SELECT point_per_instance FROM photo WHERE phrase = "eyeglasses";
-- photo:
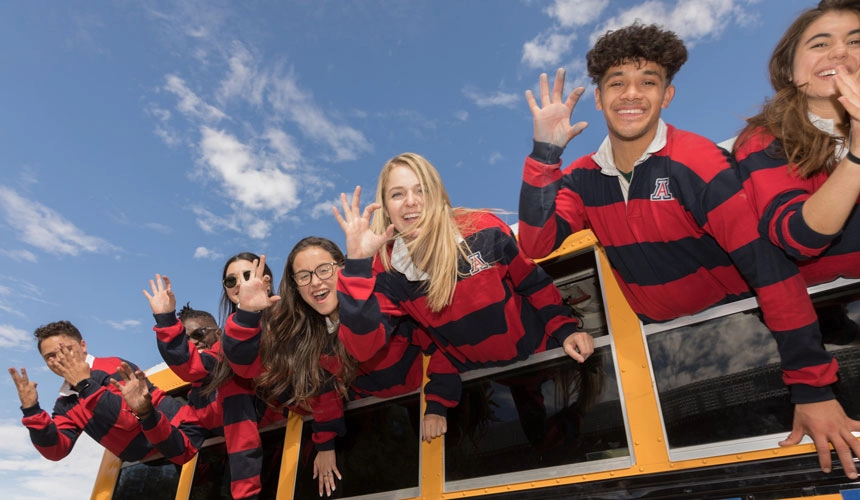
(200, 333)
(323, 272)
(231, 281)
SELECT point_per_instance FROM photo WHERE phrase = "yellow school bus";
(689, 409)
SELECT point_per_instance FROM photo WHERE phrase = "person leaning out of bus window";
(302, 363)
(670, 210)
(88, 402)
(458, 273)
(222, 394)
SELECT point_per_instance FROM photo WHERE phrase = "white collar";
(331, 326)
(603, 157)
(66, 389)
(402, 262)
(828, 125)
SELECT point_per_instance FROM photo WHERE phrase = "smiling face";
(403, 200)
(320, 294)
(202, 332)
(831, 40)
(631, 97)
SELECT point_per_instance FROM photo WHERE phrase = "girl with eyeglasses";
(294, 353)
(458, 273)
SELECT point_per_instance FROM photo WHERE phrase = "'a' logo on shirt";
(661, 190)
(477, 263)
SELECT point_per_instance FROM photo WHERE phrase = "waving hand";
(552, 116)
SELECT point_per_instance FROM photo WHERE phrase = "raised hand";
(325, 469)
(162, 299)
(26, 388)
(552, 117)
(361, 241)
(70, 363)
(132, 385)
(254, 291)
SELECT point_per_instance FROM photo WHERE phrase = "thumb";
(792, 438)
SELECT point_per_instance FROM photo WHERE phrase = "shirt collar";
(331, 326)
(402, 262)
(66, 389)
(828, 126)
(604, 159)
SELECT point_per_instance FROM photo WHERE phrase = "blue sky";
(162, 137)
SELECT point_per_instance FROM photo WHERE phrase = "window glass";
(155, 480)
(578, 281)
(212, 475)
(380, 452)
(532, 420)
(726, 369)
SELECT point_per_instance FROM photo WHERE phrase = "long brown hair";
(436, 249)
(785, 115)
(294, 338)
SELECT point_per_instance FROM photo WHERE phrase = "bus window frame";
(735, 446)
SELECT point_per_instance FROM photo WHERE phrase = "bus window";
(379, 454)
(549, 416)
(212, 473)
(154, 479)
(577, 279)
(723, 366)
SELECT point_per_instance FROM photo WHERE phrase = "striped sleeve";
(178, 352)
(241, 343)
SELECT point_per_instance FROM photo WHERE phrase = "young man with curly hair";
(88, 402)
(669, 209)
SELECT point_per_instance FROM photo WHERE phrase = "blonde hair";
(437, 249)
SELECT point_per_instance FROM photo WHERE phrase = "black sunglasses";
(200, 333)
(230, 281)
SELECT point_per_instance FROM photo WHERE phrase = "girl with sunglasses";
(294, 353)
(217, 394)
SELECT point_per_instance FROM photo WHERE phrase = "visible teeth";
(630, 111)
(410, 216)
(829, 72)
(321, 293)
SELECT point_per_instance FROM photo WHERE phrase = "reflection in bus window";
(379, 453)
(550, 414)
(153, 480)
(212, 474)
(727, 370)
(578, 282)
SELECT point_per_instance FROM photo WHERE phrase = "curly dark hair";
(187, 312)
(54, 329)
(637, 44)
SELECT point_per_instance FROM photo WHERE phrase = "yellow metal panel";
(290, 458)
(186, 477)
(432, 456)
(106, 477)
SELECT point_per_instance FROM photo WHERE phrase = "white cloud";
(243, 79)
(203, 253)
(461, 115)
(123, 325)
(323, 209)
(46, 229)
(576, 12)
(161, 228)
(245, 177)
(495, 157)
(242, 222)
(691, 20)
(26, 475)
(499, 98)
(14, 337)
(288, 99)
(19, 255)
(547, 49)
(189, 103)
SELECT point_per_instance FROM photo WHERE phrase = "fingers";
(530, 100)
(822, 447)
(356, 195)
(843, 447)
(558, 86)
(168, 286)
(15, 377)
(544, 90)
(793, 438)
